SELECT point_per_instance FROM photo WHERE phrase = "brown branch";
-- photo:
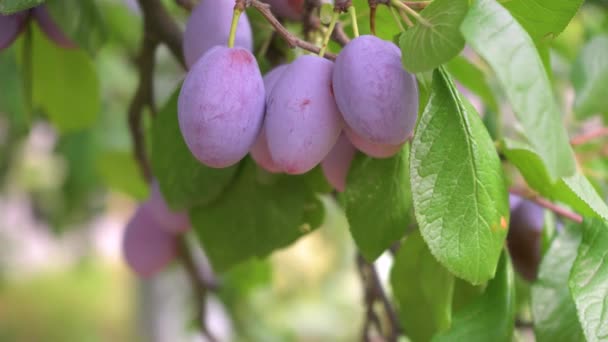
(375, 293)
(589, 136)
(543, 202)
(373, 4)
(291, 40)
(159, 24)
(144, 97)
(339, 36)
(188, 5)
(198, 286)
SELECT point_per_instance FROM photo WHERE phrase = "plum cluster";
(525, 235)
(309, 112)
(12, 25)
(151, 237)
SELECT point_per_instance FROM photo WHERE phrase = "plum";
(377, 97)
(336, 164)
(171, 221)
(288, 9)
(259, 151)
(147, 248)
(50, 28)
(11, 26)
(525, 235)
(221, 106)
(302, 119)
(209, 25)
(372, 149)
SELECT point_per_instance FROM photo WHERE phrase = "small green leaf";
(184, 181)
(423, 289)
(252, 219)
(589, 77)
(509, 50)
(460, 196)
(81, 21)
(119, 171)
(473, 79)
(435, 41)
(553, 309)
(378, 202)
(491, 316)
(12, 6)
(575, 190)
(589, 280)
(543, 19)
(385, 24)
(65, 84)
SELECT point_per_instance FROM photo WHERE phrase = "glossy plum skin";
(169, 220)
(370, 148)
(336, 164)
(377, 97)
(259, 151)
(302, 120)
(50, 28)
(525, 235)
(209, 25)
(288, 9)
(221, 106)
(147, 248)
(11, 26)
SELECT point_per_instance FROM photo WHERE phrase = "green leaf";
(183, 180)
(589, 77)
(81, 21)
(589, 279)
(119, 171)
(12, 6)
(252, 219)
(491, 316)
(460, 196)
(385, 24)
(509, 50)
(435, 41)
(575, 190)
(553, 309)
(543, 19)
(423, 289)
(378, 202)
(65, 84)
(473, 79)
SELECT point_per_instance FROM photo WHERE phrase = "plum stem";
(397, 19)
(410, 11)
(291, 40)
(547, 204)
(235, 22)
(28, 74)
(405, 18)
(332, 24)
(353, 17)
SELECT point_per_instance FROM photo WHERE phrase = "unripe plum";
(302, 120)
(525, 235)
(288, 9)
(50, 28)
(259, 151)
(221, 106)
(372, 149)
(171, 221)
(147, 248)
(377, 97)
(336, 164)
(11, 26)
(209, 25)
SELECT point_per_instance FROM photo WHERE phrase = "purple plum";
(372, 149)
(336, 164)
(171, 221)
(11, 26)
(525, 235)
(288, 9)
(50, 28)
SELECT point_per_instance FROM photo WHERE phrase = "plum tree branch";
(543, 202)
(373, 293)
(159, 24)
(292, 40)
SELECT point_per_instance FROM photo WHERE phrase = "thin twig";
(589, 136)
(374, 292)
(188, 5)
(291, 40)
(543, 202)
(159, 24)
(339, 36)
